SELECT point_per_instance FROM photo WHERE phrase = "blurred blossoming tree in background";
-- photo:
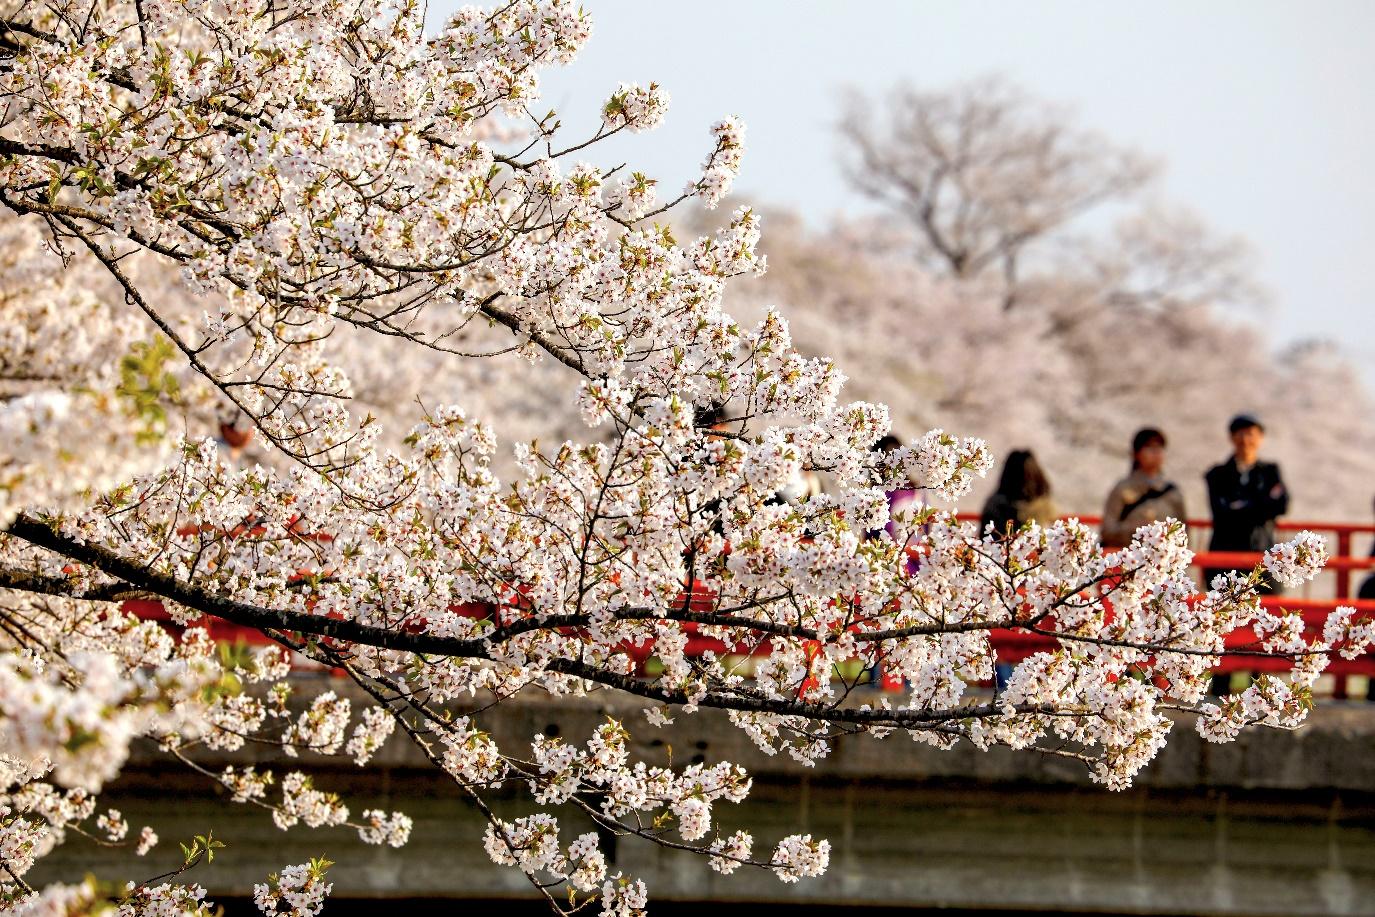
(1030, 288)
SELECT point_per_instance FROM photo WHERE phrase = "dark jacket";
(1367, 590)
(1245, 506)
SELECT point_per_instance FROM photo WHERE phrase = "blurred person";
(899, 497)
(713, 418)
(1144, 495)
(803, 485)
(1023, 496)
(1367, 591)
(1246, 495)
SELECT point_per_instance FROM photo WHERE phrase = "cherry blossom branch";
(262, 618)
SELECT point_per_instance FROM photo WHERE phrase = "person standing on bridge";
(1144, 496)
(1246, 495)
(1023, 496)
(900, 497)
(1367, 591)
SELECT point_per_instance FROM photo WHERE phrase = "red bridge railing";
(1342, 560)
(1011, 646)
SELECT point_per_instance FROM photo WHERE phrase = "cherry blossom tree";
(316, 175)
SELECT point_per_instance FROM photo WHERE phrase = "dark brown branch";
(43, 535)
(23, 581)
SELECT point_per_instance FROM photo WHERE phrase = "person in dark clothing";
(1023, 496)
(1367, 591)
(1246, 495)
(899, 497)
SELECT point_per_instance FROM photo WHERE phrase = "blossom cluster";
(297, 891)
(602, 769)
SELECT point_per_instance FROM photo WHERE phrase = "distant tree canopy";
(1028, 287)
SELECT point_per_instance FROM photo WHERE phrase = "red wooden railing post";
(1343, 573)
(888, 681)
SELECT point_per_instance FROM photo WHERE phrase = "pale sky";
(1263, 111)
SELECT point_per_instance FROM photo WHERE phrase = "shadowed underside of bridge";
(1282, 823)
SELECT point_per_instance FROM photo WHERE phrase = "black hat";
(1244, 422)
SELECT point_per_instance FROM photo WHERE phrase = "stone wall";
(1279, 823)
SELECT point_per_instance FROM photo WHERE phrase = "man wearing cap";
(1246, 494)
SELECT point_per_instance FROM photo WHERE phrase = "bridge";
(1280, 823)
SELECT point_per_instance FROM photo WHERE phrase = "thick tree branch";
(43, 535)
